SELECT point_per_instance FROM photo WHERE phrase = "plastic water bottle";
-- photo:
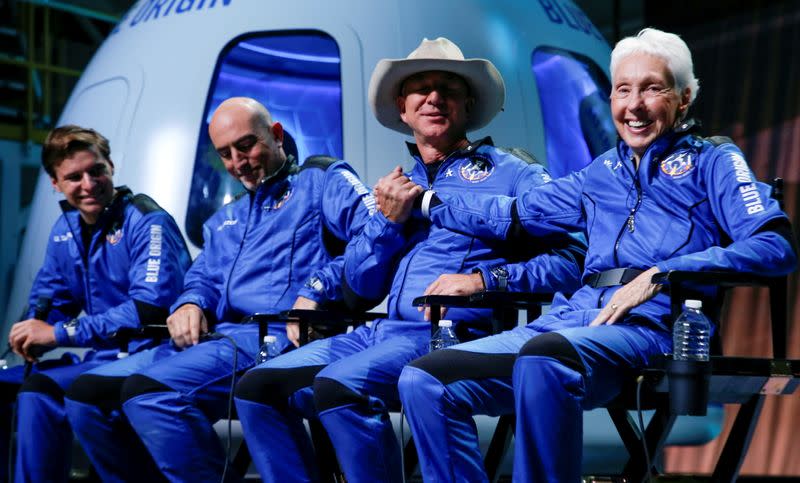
(444, 336)
(690, 334)
(269, 349)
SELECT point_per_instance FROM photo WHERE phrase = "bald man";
(263, 252)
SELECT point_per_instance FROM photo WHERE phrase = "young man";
(112, 255)
(264, 252)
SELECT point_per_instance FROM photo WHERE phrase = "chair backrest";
(714, 301)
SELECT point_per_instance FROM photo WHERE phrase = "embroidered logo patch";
(114, 236)
(227, 223)
(476, 169)
(611, 165)
(283, 199)
(678, 164)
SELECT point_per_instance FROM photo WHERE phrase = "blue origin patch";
(283, 199)
(476, 169)
(153, 266)
(114, 236)
(678, 164)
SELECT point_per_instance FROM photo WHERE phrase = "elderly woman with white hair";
(662, 199)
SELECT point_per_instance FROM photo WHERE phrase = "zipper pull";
(631, 224)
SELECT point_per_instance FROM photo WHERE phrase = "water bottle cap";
(270, 338)
(445, 323)
(693, 304)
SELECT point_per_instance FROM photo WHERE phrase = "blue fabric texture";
(676, 211)
(687, 196)
(261, 251)
(401, 260)
(136, 254)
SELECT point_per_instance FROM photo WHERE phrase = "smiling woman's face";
(644, 101)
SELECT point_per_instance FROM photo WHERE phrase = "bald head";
(249, 143)
(241, 108)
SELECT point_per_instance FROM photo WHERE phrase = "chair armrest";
(148, 331)
(486, 300)
(713, 278)
(326, 322)
(320, 320)
(679, 281)
(154, 331)
(330, 317)
(263, 318)
(499, 302)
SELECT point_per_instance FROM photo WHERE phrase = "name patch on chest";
(678, 165)
(62, 238)
(476, 169)
(227, 223)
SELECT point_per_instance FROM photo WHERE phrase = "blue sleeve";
(370, 257)
(556, 259)
(346, 207)
(558, 269)
(203, 284)
(156, 241)
(742, 206)
(51, 286)
(553, 207)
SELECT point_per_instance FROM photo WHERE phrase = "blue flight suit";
(261, 252)
(131, 271)
(350, 381)
(676, 211)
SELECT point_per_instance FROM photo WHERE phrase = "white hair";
(666, 46)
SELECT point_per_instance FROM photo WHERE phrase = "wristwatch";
(71, 327)
(500, 275)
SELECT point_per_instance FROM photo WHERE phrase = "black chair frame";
(739, 380)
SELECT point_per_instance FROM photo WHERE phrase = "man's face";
(85, 179)
(249, 152)
(644, 103)
(436, 106)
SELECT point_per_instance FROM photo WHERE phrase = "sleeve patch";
(751, 198)
(361, 190)
(154, 254)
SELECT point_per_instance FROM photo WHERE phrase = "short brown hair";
(62, 142)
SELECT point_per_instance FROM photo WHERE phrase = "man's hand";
(293, 328)
(635, 293)
(395, 195)
(453, 284)
(186, 325)
(29, 333)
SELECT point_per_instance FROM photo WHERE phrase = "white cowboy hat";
(485, 82)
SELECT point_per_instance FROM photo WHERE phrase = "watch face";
(500, 272)
(501, 275)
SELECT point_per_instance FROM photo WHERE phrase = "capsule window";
(573, 94)
(297, 76)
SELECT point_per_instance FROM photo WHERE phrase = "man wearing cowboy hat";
(350, 381)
